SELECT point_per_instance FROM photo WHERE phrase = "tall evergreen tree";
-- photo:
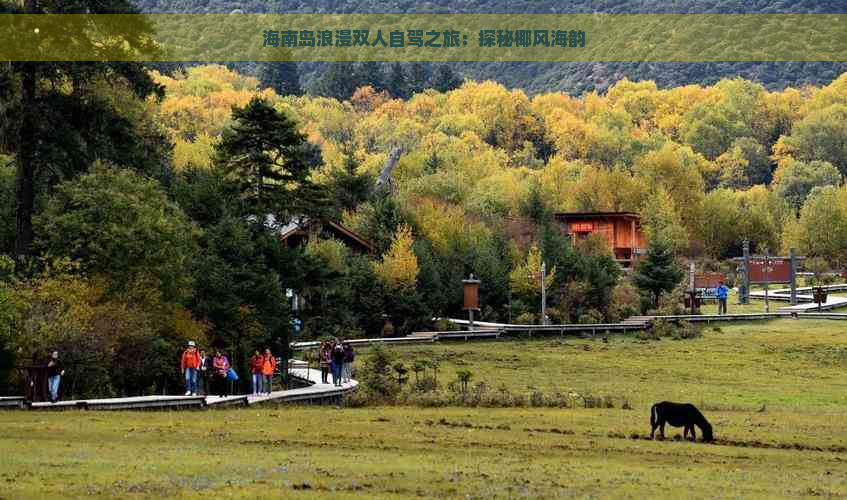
(53, 126)
(349, 187)
(658, 272)
(338, 80)
(397, 84)
(419, 74)
(271, 160)
(370, 73)
(445, 79)
(282, 76)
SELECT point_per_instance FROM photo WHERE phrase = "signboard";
(779, 270)
(582, 227)
(706, 284)
(471, 294)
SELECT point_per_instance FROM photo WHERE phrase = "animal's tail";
(654, 417)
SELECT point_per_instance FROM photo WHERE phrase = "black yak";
(684, 415)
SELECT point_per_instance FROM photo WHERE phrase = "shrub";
(463, 377)
(625, 302)
(377, 378)
(664, 328)
(590, 317)
(443, 325)
(356, 399)
(688, 330)
(426, 383)
(537, 399)
(672, 303)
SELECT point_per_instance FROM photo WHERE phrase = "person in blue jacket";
(721, 294)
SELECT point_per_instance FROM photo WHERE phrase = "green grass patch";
(774, 391)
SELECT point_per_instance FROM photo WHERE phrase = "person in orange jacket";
(268, 369)
(256, 369)
(189, 364)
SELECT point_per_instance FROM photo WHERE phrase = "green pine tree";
(445, 79)
(658, 272)
(281, 76)
(418, 77)
(338, 81)
(397, 84)
(370, 73)
(271, 160)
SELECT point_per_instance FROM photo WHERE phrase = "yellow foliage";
(525, 278)
(446, 226)
(331, 251)
(399, 266)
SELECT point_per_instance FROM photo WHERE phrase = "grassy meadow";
(775, 393)
(795, 365)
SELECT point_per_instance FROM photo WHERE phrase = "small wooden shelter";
(622, 230)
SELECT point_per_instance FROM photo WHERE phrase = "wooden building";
(622, 230)
(296, 233)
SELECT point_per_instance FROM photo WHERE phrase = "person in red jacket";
(256, 369)
(189, 364)
(268, 369)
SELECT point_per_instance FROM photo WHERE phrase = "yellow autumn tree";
(399, 268)
(525, 277)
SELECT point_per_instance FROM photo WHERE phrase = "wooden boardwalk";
(314, 392)
(804, 295)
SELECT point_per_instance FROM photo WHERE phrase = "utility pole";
(745, 283)
(767, 265)
(543, 295)
(692, 291)
(792, 255)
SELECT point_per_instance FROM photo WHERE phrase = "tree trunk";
(25, 175)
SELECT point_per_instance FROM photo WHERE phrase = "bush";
(590, 317)
(672, 303)
(688, 330)
(663, 328)
(426, 383)
(526, 318)
(537, 399)
(625, 302)
(377, 377)
(443, 325)
(670, 329)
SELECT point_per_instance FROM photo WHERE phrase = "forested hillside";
(149, 224)
(140, 209)
(571, 77)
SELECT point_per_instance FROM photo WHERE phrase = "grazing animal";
(684, 415)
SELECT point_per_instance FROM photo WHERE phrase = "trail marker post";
(471, 298)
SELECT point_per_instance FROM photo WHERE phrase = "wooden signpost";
(471, 298)
(766, 269)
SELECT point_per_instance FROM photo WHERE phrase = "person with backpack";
(256, 368)
(337, 363)
(189, 364)
(268, 369)
(55, 371)
(347, 369)
(220, 371)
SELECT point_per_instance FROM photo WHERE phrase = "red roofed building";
(622, 230)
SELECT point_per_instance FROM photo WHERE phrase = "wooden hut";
(622, 231)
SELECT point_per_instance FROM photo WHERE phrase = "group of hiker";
(336, 358)
(215, 374)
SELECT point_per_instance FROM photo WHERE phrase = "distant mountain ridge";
(571, 77)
